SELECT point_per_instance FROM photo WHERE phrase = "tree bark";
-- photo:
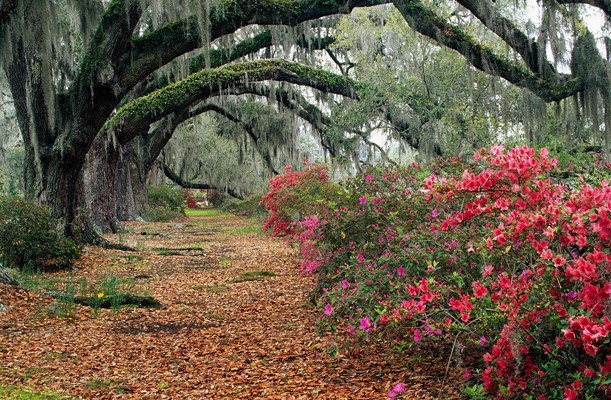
(99, 182)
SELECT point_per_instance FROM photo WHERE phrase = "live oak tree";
(86, 82)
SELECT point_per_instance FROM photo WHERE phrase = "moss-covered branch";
(219, 57)
(154, 142)
(135, 117)
(422, 19)
(168, 42)
(604, 5)
(202, 108)
(174, 177)
(512, 35)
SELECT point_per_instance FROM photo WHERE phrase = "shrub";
(29, 236)
(249, 207)
(496, 255)
(160, 196)
(161, 214)
(295, 195)
(216, 198)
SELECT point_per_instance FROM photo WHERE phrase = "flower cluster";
(496, 254)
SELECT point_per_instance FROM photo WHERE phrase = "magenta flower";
(400, 271)
(435, 213)
(360, 257)
(365, 323)
(483, 341)
(345, 284)
(398, 388)
(328, 309)
(417, 335)
(362, 200)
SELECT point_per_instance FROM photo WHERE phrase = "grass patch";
(212, 288)
(253, 276)
(204, 212)
(107, 385)
(243, 230)
(224, 261)
(16, 393)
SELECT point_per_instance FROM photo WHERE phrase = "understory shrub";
(249, 207)
(497, 257)
(165, 197)
(164, 204)
(30, 236)
(216, 198)
(297, 194)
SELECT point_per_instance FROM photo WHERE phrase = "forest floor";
(235, 323)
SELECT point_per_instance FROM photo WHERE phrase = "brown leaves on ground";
(235, 324)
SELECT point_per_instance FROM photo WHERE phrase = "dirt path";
(235, 324)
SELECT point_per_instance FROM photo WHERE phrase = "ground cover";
(235, 323)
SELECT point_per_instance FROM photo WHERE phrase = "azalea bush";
(499, 255)
(295, 195)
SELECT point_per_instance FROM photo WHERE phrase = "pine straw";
(213, 338)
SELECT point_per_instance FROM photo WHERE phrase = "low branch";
(174, 177)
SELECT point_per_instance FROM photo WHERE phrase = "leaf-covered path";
(235, 324)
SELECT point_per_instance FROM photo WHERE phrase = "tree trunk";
(130, 184)
(98, 186)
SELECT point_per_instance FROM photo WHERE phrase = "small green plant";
(108, 291)
(141, 244)
(11, 392)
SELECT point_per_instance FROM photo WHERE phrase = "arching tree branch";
(157, 48)
(174, 177)
(138, 115)
(424, 20)
(604, 5)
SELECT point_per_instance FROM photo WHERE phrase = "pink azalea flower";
(328, 309)
(362, 200)
(365, 323)
(398, 388)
